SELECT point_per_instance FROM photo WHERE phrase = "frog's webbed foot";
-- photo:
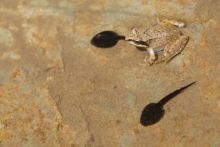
(150, 60)
(174, 22)
(173, 49)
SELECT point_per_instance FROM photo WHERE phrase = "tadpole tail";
(164, 100)
(120, 37)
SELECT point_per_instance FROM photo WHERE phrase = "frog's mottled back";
(163, 35)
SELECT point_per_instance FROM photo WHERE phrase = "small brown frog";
(164, 37)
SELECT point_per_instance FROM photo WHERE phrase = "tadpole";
(106, 39)
(153, 112)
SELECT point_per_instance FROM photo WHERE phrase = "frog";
(164, 37)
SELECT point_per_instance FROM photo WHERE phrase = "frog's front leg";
(150, 60)
(174, 48)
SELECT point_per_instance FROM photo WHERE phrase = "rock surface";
(56, 89)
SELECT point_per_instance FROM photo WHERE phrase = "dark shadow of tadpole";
(153, 112)
(106, 39)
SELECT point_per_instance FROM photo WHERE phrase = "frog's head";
(135, 38)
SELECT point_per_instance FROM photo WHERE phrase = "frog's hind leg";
(174, 22)
(173, 49)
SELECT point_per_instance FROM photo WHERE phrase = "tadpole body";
(106, 39)
(153, 112)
